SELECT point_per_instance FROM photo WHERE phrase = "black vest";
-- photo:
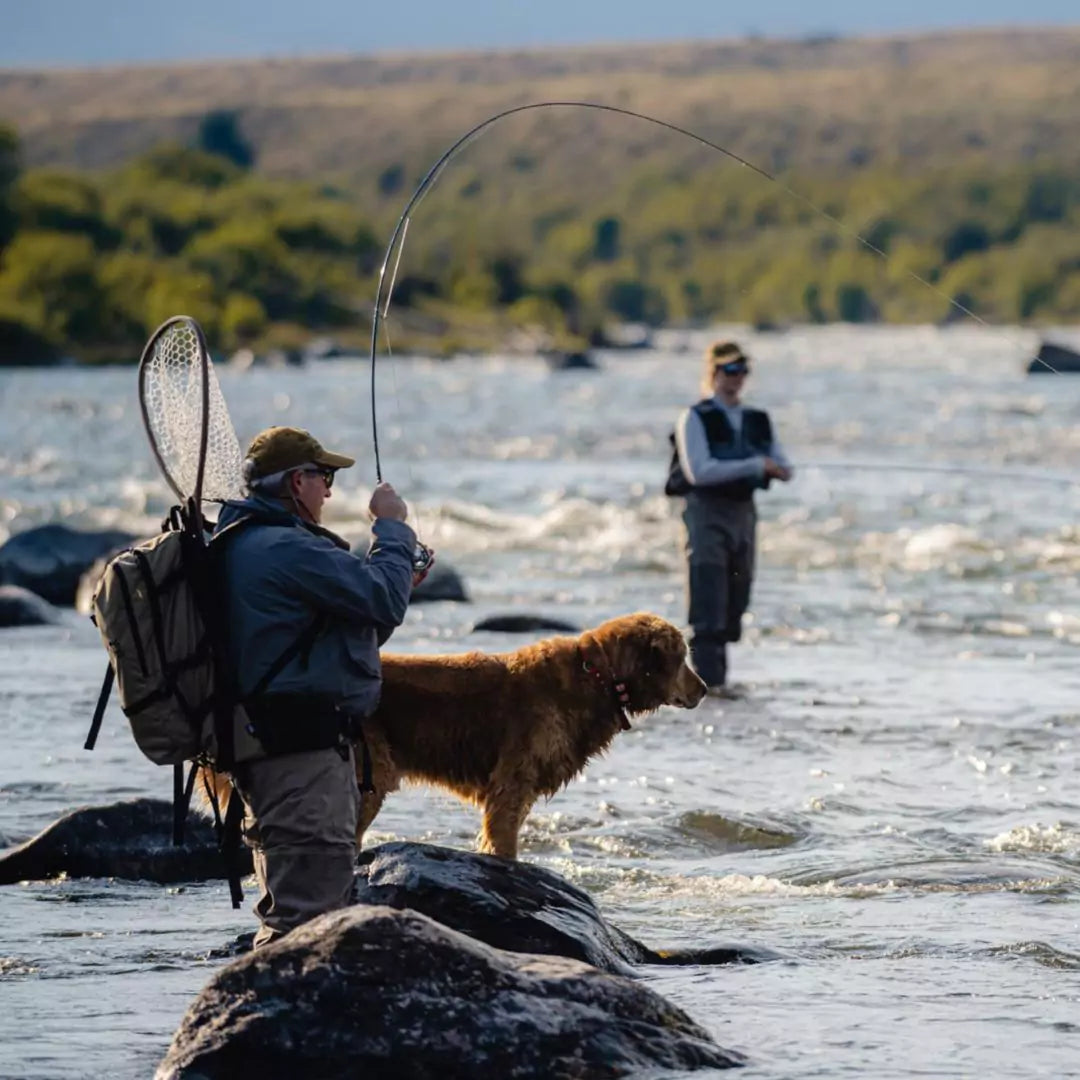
(754, 440)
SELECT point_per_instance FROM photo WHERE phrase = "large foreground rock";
(516, 906)
(377, 993)
(49, 560)
(508, 904)
(127, 840)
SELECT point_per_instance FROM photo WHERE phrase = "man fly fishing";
(305, 621)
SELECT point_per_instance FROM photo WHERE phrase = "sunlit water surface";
(893, 805)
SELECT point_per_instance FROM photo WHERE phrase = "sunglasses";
(326, 474)
(738, 367)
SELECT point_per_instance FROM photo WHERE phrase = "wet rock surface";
(507, 904)
(516, 906)
(376, 992)
(127, 840)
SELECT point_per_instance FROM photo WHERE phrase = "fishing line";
(397, 239)
(1026, 475)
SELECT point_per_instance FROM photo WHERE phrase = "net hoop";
(183, 324)
(184, 413)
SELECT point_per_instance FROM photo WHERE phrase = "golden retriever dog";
(502, 729)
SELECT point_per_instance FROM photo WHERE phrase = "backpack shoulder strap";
(253, 518)
(303, 644)
(99, 709)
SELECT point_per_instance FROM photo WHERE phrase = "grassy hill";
(828, 104)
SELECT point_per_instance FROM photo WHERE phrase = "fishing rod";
(385, 289)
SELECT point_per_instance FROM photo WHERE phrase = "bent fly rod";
(385, 288)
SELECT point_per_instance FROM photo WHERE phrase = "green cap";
(280, 448)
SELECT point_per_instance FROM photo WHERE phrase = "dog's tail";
(213, 791)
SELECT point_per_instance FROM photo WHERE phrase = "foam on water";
(1060, 839)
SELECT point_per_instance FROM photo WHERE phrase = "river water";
(893, 805)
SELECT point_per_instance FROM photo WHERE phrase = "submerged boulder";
(573, 360)
(375, 992)
(524, 624)
(128, 840)
(442, 583)
(515, 906)
(50, 560)
(21, 607)
(1053, 359)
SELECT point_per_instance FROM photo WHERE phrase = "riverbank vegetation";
(93, 262)
(562, 225)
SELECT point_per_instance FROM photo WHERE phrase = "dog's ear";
(652, 656)
(665, 649)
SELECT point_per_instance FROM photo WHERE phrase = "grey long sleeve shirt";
(701, 468)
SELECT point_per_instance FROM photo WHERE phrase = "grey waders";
(720, 538)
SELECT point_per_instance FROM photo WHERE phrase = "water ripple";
(1040, 952)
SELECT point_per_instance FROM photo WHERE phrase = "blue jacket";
(280, 578)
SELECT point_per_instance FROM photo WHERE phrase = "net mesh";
(171, 389)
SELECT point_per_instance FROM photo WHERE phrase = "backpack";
(155, 607)
(158, 609)
(676, 484)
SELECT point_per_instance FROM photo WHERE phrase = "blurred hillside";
(953, 155)
(1003, 96)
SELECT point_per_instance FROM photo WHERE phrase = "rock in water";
(517, 906)
(524, 624)
(21, 607)
(577, 360)
(127, 840)
(1054, 359)
(504, 903)
(442, 583)
(374, 992)
(49, 560)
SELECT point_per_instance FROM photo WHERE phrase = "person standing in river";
(724, 453)
(306, 619)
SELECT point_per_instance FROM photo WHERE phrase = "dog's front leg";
(505, 810)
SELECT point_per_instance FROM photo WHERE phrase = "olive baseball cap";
(280, 448)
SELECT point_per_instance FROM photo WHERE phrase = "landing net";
(177, 386)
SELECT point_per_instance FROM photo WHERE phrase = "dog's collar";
(595, 663)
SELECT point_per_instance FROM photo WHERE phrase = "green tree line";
(91, 262)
